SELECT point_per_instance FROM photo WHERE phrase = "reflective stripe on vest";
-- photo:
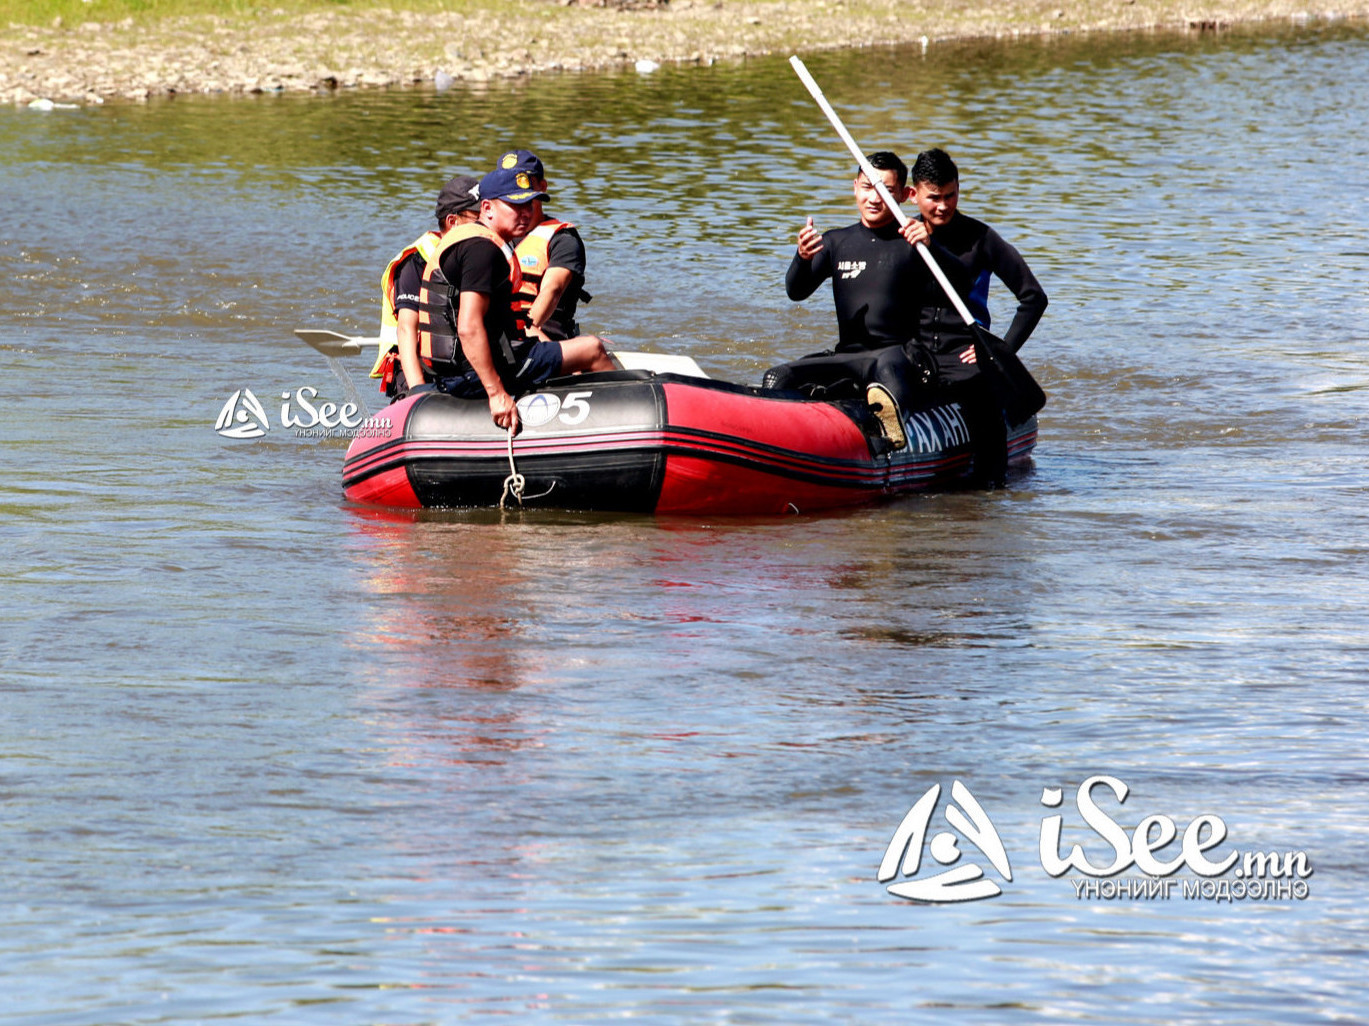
(438, 303)
(425, 246)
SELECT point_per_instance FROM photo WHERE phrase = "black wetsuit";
(889, 302)
(971, 253)
(875, 274)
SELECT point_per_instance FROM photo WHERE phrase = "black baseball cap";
(460, 194)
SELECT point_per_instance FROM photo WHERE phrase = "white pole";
(877, 180)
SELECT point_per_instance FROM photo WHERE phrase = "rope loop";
(515, 482)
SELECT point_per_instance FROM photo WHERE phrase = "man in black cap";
(467, 335)
(397, 363)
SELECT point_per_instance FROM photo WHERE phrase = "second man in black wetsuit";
(970, 252)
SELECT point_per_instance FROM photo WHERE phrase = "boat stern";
(375, 471)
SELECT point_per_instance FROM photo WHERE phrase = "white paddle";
(334, 343)
(877, 180)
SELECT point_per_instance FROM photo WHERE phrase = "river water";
(270, 758)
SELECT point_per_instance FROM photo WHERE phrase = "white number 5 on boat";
(542, 407)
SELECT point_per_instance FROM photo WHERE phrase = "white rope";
(515, 482)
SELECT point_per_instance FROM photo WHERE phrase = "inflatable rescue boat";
(657, 441)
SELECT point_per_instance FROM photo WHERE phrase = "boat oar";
(335, 343)
(1013, 384)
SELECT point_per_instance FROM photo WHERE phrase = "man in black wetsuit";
(874, 274)
(970, 252)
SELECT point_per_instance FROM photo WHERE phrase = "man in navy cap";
(551, 257)
(468, 338)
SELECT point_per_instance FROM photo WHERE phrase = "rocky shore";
(352, 47)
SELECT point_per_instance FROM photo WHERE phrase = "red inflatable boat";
(649, 441)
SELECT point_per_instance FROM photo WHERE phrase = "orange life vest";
(533, 252)
(425, 246)
(534, 258)
(438, 345)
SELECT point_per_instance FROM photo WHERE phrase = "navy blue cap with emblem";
(522, 160)
(510, 185)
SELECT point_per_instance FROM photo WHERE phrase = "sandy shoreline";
(94, 62)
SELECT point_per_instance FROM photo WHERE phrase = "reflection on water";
(271, 757)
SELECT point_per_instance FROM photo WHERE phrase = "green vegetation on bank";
(74, 12)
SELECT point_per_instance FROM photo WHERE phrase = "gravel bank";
(93, 62)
